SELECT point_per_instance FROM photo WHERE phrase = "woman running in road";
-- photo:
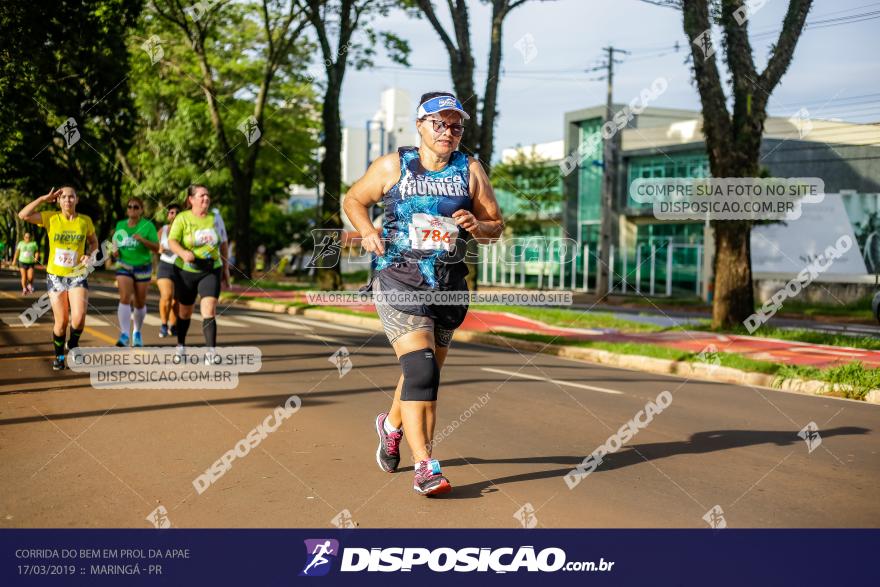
(436, 199)
(198, 241)
(72, 241)
(134, 240)
(165, 277)
(26, 255)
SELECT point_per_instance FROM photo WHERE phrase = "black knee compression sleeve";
(421, 376)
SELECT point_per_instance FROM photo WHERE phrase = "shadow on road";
(699, 443)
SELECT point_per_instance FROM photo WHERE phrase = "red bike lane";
(753, 347)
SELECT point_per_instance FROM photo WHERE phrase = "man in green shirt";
(134, 241)
(26, 253)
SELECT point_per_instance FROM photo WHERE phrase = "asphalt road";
(75, 456)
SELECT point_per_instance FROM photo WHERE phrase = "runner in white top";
(165, 278)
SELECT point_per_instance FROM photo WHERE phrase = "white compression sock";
(139, 315)
(388, 427)
(124, 315)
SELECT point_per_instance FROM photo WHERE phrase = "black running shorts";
(189, 284)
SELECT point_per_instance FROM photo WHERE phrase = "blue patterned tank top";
(423, 246)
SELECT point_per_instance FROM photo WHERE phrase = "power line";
(836, 100)
(851, 9)
(820, 23)
(830, 160)
(860, 128)
(656, 52)
(849, 112)
(825, 23)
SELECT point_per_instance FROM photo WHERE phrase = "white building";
(392, 126)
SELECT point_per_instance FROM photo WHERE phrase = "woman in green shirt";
(134, 241)
(201, 267)
(26, 255)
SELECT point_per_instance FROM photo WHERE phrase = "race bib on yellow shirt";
(430, 233)
(65, 257)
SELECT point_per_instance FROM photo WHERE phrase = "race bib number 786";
(428, 232)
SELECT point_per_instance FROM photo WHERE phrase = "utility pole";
(609, 176)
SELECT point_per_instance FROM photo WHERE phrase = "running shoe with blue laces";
(123, 340)
(58, 363)
(388, 453)
(137, 340)
(163, 331)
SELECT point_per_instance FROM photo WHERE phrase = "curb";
(690, 370)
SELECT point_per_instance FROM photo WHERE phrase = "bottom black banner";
(469, 557)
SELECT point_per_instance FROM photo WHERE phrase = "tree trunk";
(734, 298)
(330, 277)
(243, 245)
(490, 99)
(462, 71)
(241, 184)
(733, 142)
(463, 85)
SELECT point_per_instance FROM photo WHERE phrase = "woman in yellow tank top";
(72, 241)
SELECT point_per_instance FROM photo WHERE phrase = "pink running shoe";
(388, 453)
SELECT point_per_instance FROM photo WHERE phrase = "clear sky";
(835, 72)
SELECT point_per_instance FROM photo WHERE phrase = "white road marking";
(555, 381)
(274, 323)
(152, 320)
(324, 338)
(229, 323)
(327, 325)
(12, 319)
(92, 320)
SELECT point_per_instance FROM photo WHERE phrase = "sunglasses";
(134, 207)
(440, 127)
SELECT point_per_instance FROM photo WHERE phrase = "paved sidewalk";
(753, 347)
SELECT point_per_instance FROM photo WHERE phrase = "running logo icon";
(318, 553)
(715, 518)
(159, 518)
(328, 248)
(342, 361)
(704, 43)
(69, 131)
(810, 435)
(153, 48)
(526, 516)
(250, 129)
